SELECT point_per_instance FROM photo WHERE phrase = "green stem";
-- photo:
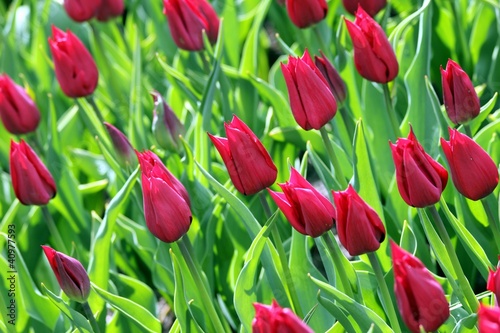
(335, 252)
(462, 41)
(391, 112)
(321, 42)
(384, 291)
(90, 317)
(333, 158)
(53, 230)
(468, 130)
(283, 258)
(206, 298)
(345, 113)
(92, 102)
(462, 279)
(493, 223)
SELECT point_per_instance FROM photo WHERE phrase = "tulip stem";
(283, 258)
(53, 229)
(321, 42)
(493, 223)
(335, 252)
(90, 317)
(206, 298)
(339, 175)
(462, 279)
(391, 111)
(384, 291)
(92, 102)
(468, 131)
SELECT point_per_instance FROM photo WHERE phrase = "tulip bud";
(166, 201)
(110, 9)
(373, 55)
(120, 142)
(421, 300)
(248, 163)
(312, 102)
(75, 68)
(81, 10)
(18, 112)
(473, 172)
(335, 82)
(460, 98)
(166, 126)
(359, 227)
(493, 284)
(33, 184)
(187, 19)
(372, 7)
(420, 179)
(306, 209)
(272, 318)
(488, 319)
(70, 274)
(304, 13)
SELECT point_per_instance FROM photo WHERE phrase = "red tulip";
(33, 184)
(304, 13)
(372, 7)
(166, 126)
(421, 300)
(70, 274)
(120, 142)
(473, 172)
(359, 227)
(81, 10)
(166, 201)
(335, 82)
(75, 68)
(249, 165)
(272, 318)
(18, 112)
(311, 99)
(373, 55)
(493, 283)
(488, 319)
(187, 19)
(306, 209)
(460, 98)
(420, 179)
(110, 9)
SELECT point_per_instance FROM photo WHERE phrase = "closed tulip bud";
(273, 318)
(359, 227)
(420, 298)
(305, 13)
(460, 98)
(120, 142)
(420, 179)
(373, 55)
(473, 172)
(75, 68)
(166, 126)
(18, 112)
(70, 274)
(311, 100)
(493, 284)
(187, 19)
(81, 10)
(166, 202)
(248, 163)
(335, 82)
(309, 212)
(372, 7)
(110, 9)
(488, 319)
(33, 184)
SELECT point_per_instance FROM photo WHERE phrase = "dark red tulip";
(33, 184)
(488, 319)
(70, 274)
(473, 172)
(359, 227)
(373, 55)
(82, 10)
(166, 126)
(337, 85)
(187, 19)
(493, 284)
(273, 319)
(109, 9)
(305, 13)
(166, 201)
(371, 7)
(309, 212)
(18, 112)
(420, 179)
(249, 165)
(121, 144)
(420, 298)
(311, 100)
(460, 98)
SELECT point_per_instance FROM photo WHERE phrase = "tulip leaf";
(324, 173)
(78, 321)
(443, 121)
(408, 240)
(475, 124)
(136, 312)
(298, 137)
(348, 323)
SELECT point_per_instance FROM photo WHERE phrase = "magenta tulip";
(488, 319)
(272, 319)
(81, 10)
